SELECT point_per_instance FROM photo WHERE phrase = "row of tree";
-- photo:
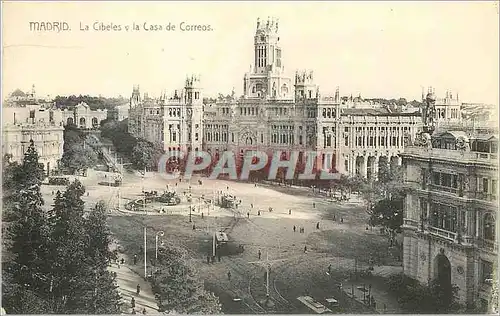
(58, 258)
(76, 156)
(141, 153)
(64, 102)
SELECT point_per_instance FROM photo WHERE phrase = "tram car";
(227, 201)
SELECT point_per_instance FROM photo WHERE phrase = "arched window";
(489, 227)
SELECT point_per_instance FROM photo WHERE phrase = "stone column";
(364, 166)
(375, 167)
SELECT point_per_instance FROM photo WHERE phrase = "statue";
(429, 113)
(462, 143)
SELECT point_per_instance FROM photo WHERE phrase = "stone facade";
(83, 117)
(42, 124)
(450, 211)
(277, 112)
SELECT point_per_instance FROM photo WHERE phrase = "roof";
(376, 112)
(18, 93)
(485, 137)
(453, 134)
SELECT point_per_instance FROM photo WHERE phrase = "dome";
(18, 93)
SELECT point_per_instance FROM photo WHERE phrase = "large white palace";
(277, 112)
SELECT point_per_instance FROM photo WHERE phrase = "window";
(196, 137)
(486, 272)
(485, 185)
(262, 138)
(489, 227)
(443, 217)
(300, 139)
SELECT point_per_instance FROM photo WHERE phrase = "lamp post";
(190, 207)
(158, 234)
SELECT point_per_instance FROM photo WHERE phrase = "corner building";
(451, 210)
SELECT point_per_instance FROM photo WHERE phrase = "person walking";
(260, 254)
(329, 269)
(294, 228)
(138, 289)
(229, 275)
(144, 311)
(135, 260)
(248, 214)
(132, 302)
(314, 205)
(133, 311)
(317, 225)
(341, 219)
(289, 212)
(305, 249)
(251, 205)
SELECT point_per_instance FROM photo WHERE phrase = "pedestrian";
(135, 260)
(122, 261)
(201, 215)
(305, 249)
(138, 289)
(52, 192)
(251, 205)
(132, 302)
(260, 254)
(208, 259)
(334, 218)
(330, 268)
(144, 311)
(341, 219)
(194, 227)
(289, 212)
(317, 225)
(88, 193)
(133, 311)
(248, 214)
(229, 275)
(314, 205)
(258, 213)
(294, 228)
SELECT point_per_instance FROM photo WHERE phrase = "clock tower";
(266, 79)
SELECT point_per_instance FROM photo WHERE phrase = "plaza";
(341, 241)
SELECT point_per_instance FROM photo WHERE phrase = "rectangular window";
(486, 272)
(485, 185)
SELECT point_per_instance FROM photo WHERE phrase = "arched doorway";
(249, 141)
(82, 122)
(442, 276)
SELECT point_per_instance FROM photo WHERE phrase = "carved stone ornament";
(462, 143)
(407, 139)
(189, 112)
(460, 270)
(423, 140)
(423, 257)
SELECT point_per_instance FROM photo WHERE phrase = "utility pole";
(145, 242)
(268, 263)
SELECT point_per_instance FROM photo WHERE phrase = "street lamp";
(190, 207)
(158, 234)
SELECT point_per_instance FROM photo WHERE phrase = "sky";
(376, 49)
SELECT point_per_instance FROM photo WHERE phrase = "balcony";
(488, 244)
(442, 233)
(449, 154)
(440, 188)
(485, 196)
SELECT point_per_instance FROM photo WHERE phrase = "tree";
(388, 213)
(29, 233)
(178, 287)
(78, 157)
